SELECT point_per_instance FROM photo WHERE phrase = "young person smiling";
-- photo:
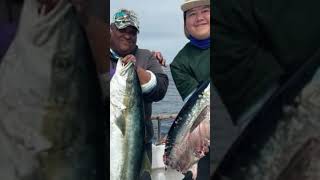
(191, 66)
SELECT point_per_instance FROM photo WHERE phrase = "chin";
(124, 49)
(201, 36)
(205, 37)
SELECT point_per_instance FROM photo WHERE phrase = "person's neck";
(202, 44)
(120, 54)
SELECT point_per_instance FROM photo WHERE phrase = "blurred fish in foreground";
(49, 99)
(283, 142)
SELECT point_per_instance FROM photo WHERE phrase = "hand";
(128, 58)
(45, 6)
(159, 57)
(143, 75)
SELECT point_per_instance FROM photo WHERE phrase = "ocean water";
(170, 104)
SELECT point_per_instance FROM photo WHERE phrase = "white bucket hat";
(189, 4)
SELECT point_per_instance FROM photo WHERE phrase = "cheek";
(208, 18)
(189, 25)
(134, 40)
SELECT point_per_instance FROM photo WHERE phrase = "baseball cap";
(124, 18)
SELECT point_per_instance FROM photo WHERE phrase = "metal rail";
(159, 118)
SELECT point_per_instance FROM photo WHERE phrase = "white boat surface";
(159, 170)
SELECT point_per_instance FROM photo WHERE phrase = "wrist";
(144, 76)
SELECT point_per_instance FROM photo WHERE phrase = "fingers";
(42, 10)
(42, 7)
(163, 63)
(159, 57)
(132, 58)
(128, 58)
(45, 6)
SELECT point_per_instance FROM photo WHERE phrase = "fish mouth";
(189, 151)
(126, 67)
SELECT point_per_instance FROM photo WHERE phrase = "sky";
(161, 24)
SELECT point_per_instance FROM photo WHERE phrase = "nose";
(199, 17)
(127, 35)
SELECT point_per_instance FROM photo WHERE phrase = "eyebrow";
(192, 10)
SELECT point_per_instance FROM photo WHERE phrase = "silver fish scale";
(182, 125)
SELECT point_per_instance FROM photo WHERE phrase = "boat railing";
(159, 118)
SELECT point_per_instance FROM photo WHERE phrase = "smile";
(202, 24)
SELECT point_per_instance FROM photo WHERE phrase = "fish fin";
(146, 166)
(194, 170)
(200, 117)
(121, 125)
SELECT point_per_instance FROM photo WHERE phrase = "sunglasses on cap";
(125, 18)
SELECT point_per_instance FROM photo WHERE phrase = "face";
(123, 41)
(198, 22)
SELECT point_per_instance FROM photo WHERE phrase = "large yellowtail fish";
(49, 99)
(127, 127)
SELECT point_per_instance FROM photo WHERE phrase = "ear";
(186, 33)
(112, 27)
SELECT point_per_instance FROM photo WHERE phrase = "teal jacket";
(190, 67)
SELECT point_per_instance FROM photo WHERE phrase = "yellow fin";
(146, 166)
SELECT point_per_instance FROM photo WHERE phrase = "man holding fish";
(130, 102)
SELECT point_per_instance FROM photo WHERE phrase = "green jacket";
(258, 43)
(190, 67)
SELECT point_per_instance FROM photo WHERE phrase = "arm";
(145, 73)
(184, 82)
(144, 76)
(159, 57)
(162, 81)
(147, 78)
